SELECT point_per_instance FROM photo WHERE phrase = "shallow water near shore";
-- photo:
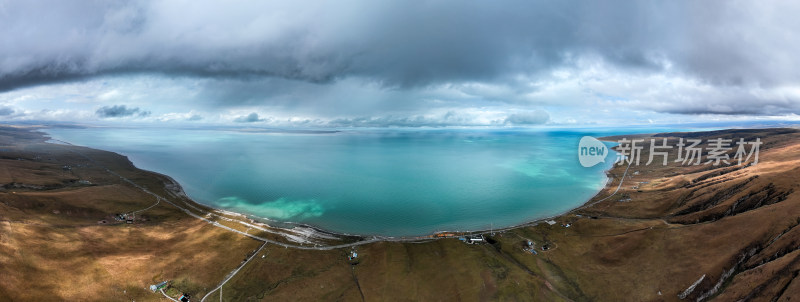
(370, 182)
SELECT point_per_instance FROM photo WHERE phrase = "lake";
(370, 182)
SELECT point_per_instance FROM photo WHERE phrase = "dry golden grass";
(53, 248)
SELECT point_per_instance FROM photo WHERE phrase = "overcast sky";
(399, 63)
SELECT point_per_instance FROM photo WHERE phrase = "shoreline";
(641, 247)
(173, 186)
(432, 236)
(179, 190)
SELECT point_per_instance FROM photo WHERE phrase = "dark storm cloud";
(528, 118)
(398, 45)
(250, 118)
(447, 119)
(391, 121)
(5, 111)
(120, 111)
(732, 108)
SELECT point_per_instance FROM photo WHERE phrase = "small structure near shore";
(472, 239)
(529, 246)
(352, 257)
(127, 218)
(158, 286)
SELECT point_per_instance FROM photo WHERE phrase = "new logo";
(591, 151)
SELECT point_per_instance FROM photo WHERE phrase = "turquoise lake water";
(370, 182)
